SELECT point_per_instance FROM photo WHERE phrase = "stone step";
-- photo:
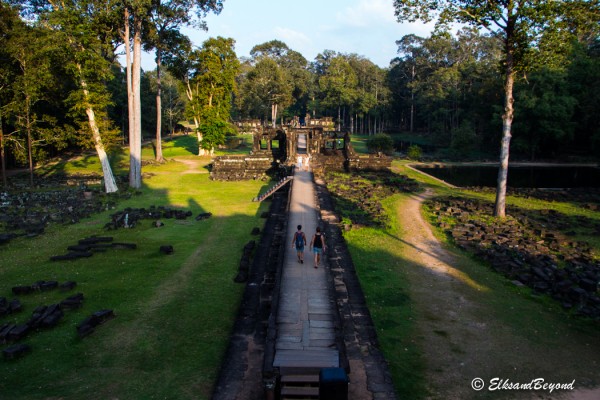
(300, 379)
(306, 391)
(325, 358)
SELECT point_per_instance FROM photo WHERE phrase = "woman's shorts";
(299, 248)
(317, 250)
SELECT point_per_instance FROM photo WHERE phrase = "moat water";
(518, 176)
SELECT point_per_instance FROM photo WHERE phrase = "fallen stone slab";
(72, 302)
(15, 351)
(74, 255)
(79, 247)
(44, 286)
(4, 331)
(202, 216)
(14, 306)
(45, 316)
(6, 237)
(19, 290)
(166, 249)
(88, 325)
(18, 332)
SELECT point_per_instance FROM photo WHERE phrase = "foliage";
(274, 78)
(381, 143)
(210, 88)
(338, 84)
(444, 88)
(414, 152)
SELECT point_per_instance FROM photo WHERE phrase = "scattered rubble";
(532, 248)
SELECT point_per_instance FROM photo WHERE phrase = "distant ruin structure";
(275, 150)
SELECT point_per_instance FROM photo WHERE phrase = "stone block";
(16, 351)
(19, 290)
(166, 249)
(18, 332)
(103, 315)
(202, 216)
(4, 331)
(72, 302)
(14, 306)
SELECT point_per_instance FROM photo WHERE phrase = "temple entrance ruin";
(275, 151)
(301, 146)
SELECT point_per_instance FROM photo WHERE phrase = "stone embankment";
(532, 248)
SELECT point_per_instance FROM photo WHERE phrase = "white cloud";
(291, 37)
(367, 12)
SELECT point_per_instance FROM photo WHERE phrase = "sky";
(365, 27)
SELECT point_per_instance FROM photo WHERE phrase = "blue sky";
(364, 27)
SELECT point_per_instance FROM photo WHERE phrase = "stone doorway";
(301, 144)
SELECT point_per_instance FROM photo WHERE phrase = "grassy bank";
(173, 312)
(395, 285)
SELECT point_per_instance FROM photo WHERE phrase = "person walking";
(299, 241)
(318, 245)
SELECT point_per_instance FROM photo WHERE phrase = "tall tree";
(215, 67)
(290, 79)
(529, 30)
(135, 13)
(81, 29)
(8, 70)
(266, 88)
(162, 34)
(28, 48)
(409, 68)
(338, 85)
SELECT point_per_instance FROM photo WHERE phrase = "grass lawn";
(174, 312)
(385, 271)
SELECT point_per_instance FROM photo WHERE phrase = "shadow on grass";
(439, 328)
(174, 312)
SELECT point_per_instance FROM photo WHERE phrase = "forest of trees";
(62, 85)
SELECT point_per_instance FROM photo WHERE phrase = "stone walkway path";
(305, 327)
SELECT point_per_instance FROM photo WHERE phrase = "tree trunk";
(29, 146)
(159, 155)
(338, 120)
(110, 185)
(2, 158)
(135, 156)
(130, 94)
(274, 115)
(412, 103)
(507, 119)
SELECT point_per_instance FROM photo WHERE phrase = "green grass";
(379, 255)
(379, 263)
(174, 313)
(359, 143)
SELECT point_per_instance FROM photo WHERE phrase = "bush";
(381, 143)
(414, 152)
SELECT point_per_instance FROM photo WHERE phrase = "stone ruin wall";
(236, 168)
(329, 151)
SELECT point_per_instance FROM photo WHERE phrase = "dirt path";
(463, 335)
(194, 166)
